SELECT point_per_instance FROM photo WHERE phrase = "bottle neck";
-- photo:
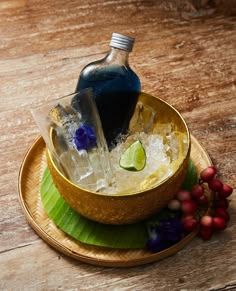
(118, 56)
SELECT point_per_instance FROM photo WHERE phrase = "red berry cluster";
(188, 203)
(219, 218)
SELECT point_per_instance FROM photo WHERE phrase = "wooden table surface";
(184, 53)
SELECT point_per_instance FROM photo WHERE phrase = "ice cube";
(163, 129)
(64, 115)
(143, 118)
(76, 165)
(59, 115)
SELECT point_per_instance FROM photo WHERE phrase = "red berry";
(197, 191)
(206, 233)
(186, 217)
(222, 203)
(220, 212)
(174, 204)
(206, 221)
(183, 195)
(215, 185)
(190, 224)
(208, 174)
(203, 199)
(188, 206)
(219, 223)
(226, 191)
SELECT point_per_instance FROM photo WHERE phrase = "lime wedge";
(134, 157)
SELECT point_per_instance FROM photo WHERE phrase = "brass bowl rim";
(125, 194)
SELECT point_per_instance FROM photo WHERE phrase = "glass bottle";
(116, 87)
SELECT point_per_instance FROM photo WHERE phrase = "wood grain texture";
(184, 53)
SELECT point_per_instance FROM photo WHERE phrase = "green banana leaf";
(191, 177)
(85, 230)
(94, 233)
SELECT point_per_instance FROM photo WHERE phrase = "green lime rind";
(134, 157)
(131, 236)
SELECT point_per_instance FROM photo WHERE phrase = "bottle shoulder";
(103, 71)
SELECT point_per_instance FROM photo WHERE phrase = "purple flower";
(155, 241)
(171, 228)
(164, 234)
(84, 137)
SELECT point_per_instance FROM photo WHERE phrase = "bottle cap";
(122, 42)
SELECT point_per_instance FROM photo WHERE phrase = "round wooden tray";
(30, 176)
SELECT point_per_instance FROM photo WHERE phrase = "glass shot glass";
(72, 131)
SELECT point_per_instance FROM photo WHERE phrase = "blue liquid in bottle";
(116, 89)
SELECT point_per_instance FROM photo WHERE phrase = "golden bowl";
(126, 208)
